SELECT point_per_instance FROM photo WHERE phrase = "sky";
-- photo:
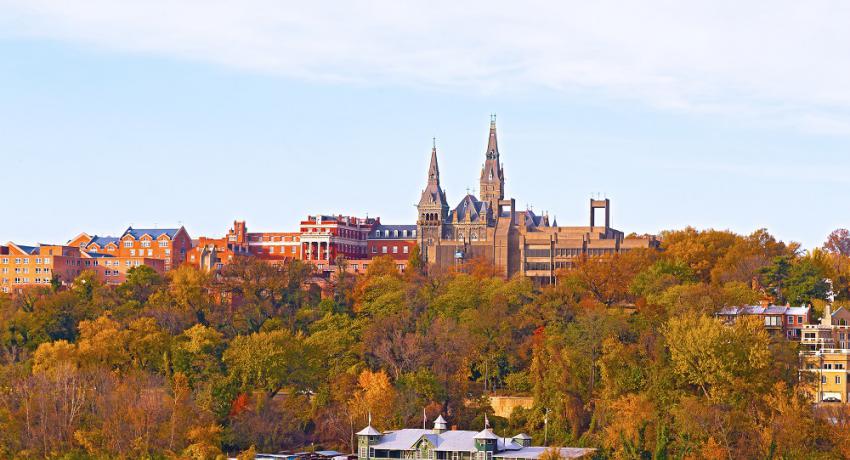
(721, 114)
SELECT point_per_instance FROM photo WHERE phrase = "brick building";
(395, 241)
(167, 244)
(516, 242)
(324, 238)
(272, 247)
(22, 266)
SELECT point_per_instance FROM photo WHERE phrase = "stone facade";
(489, 227)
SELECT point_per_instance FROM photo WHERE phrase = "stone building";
(490, 227)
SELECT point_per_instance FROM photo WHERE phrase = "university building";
(441, 443)
(490, 227)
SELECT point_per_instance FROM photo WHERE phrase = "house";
(782, 320)
(440, 443)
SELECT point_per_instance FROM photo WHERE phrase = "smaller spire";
(486, 421)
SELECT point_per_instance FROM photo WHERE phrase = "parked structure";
(490, 227)
(440, 443)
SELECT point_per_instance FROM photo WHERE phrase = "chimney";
(827, 315)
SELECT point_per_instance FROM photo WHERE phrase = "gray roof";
(535, 452)
(471, 207)
(368, 431)
(759, 310)
(522, 436)
(28, 249)
(102, 240)
(464, 441)
(153, 232)
(378, 232)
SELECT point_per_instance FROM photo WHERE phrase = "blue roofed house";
(441, 443)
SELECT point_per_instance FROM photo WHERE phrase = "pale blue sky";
(114, 114)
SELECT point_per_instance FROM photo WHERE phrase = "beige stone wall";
(503, 406)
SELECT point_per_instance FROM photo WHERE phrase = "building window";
(837, 379)
(5, 260)
(146, 244)
(128, 243)
(163, 243)
(383, 249)
(406, 249)
(395, 249)
(47, 261)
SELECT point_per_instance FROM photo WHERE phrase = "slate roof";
(153, 232)
(102, 241)
(469, 206)
(378, 232)
(34, 250)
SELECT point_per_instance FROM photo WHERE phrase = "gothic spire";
(434, 169)
(492, 145)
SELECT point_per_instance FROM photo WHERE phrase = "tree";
(271, 361)
(725, 362)
(838, 242)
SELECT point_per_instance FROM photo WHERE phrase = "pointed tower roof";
(369, 430)
(492, 169)
(440, 423)
(433, 194)
(486, 433)
(434, 168)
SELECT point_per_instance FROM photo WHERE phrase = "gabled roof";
(29, 250)
(102, 241)
(469, 207)
(154, 233)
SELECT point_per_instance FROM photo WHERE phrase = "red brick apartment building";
(324, 238)
(273, 247)
(395, 241)
(23, 266)
(320, 240)
(167, 244)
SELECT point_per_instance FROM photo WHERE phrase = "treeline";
(622, 354)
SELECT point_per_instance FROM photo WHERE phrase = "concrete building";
(515, 241)
(441, 443)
